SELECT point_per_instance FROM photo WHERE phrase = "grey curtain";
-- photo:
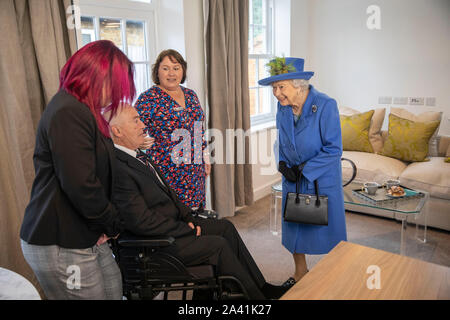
(35, 45)
(226, 45)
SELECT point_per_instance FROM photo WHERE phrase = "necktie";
(145, 159)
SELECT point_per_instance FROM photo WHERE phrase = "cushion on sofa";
(355, 132)
(375, 125)
(432, 176)
(408, 140)
(422, 117)
(371, 167)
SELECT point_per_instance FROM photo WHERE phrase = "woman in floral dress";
(174, 122)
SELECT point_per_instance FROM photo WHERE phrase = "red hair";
(99, 67)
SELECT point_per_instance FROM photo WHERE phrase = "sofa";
(432, 174)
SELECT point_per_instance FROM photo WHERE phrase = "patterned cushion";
(408, 140)
(355, 132)
(422, 117)
(376, 123)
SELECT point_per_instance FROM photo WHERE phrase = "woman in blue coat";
(309, 141)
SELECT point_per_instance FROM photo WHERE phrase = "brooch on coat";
(314, 108)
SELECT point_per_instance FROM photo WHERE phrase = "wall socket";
(401, 100)
(384, 100)
(416, 101)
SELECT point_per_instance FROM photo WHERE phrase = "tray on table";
(381, 195)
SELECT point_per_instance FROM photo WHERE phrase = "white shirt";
(132, 153)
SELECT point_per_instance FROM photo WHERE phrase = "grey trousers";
(76, 274)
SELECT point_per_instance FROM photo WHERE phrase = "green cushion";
(355, 132)
(408, 140)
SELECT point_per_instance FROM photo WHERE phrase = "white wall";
(408, 57)
(300, 28)
(170, 26)
(282, 27)
(195, 48)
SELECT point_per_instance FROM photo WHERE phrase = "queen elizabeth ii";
(310, 147)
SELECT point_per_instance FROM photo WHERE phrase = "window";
(260, 44)
(127, 23)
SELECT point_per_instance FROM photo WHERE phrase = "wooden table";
(349, 270)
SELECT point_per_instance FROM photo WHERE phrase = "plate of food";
(395, 192)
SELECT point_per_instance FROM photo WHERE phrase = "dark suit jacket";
(70, 198)
(147, 208)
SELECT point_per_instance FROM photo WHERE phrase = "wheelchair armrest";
(207, 214)
(140, 241)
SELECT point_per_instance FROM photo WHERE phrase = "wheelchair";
(147, 271)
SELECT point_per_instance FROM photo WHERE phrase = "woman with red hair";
(70, 215)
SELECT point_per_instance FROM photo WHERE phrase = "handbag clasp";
(308, 200)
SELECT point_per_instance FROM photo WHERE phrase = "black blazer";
(147, 207)
(74, 163)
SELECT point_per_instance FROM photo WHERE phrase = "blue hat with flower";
(286, 69)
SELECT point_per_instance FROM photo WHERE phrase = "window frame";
(124, 10)
(269, 17)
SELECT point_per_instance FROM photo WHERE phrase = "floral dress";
(179, 141)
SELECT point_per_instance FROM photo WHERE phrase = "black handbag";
(306, 208)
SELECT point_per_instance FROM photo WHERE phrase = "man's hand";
(199, 230)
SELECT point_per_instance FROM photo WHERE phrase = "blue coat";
(314, 139)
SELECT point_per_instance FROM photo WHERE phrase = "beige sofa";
(432, 176)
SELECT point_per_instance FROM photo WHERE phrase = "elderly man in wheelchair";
(167, 246)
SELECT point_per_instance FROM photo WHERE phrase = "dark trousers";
(221, 245)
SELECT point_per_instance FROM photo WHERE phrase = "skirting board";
(264, 190)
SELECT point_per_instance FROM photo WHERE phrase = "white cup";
(371, 187)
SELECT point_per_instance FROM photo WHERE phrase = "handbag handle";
(316, 187)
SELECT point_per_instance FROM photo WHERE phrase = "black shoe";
(273, 292)
(289, 283)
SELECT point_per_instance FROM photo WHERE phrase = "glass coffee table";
(402, 209)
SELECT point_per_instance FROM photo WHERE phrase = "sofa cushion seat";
(432, 176)
(372, 167)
